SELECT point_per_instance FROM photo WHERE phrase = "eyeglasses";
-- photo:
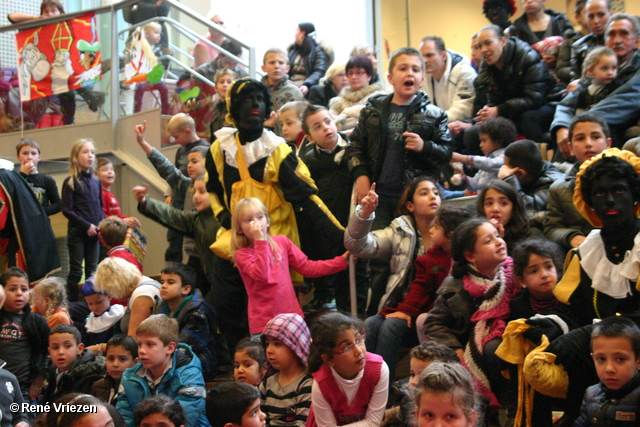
(347, 348)
(356, 73)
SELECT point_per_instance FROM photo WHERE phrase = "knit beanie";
(291, 329)
(307, 27)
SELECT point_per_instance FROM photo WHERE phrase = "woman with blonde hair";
(121, 279)
(330, 86)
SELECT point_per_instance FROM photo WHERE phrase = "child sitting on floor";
(286, 395)
(121, 354)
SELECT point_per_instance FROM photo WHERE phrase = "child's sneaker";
(320, 305)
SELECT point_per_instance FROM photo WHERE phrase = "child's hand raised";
(369, 202)
(140, 130)
(271, 121)
(140, 192)
(412, 141)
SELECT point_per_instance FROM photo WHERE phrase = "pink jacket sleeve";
(254, 262)
(303, 265)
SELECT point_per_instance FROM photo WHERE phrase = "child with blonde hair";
(601, 66)
(82, 205)
(263, 262)
(445, 395)
(223, 79)
(50, 300)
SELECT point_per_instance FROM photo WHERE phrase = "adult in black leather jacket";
(513, 83)
(314, 61)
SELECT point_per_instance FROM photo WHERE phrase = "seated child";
(50, 300)
(103, 321)
(234, 404)
(249, 362)
(615, 349)
(76, 413)
(328, 167)
(165, 367)
(10, 391)
(113, 232)
(536, 263)
(421, 357)
(564, 225)
(500, 204)
(159, 411)
(601, 65)
(196, 317)
(121, 354)
(24, 334)
(290, 118)
(263, 262)
(472, 306)
(72, 370)
(445, 392)
(276, 64)
(531, 176)
(286, 395)
(223, 80)
(153, 34)
(11, 395)
(349, 384)
(495, 135)
(393, 325)
(43, 185)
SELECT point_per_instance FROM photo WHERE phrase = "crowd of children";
(269, 202)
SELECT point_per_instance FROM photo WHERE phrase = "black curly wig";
(242, 87)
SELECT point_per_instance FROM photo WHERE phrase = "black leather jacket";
(521, 85)
(315, 64)
(369, 138)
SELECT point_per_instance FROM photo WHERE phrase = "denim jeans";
(385, 337)
(82, 247)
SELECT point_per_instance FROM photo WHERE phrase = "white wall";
(265, 24)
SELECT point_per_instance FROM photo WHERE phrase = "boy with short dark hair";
(72, 370)
(276, 64)
(196, 317)
(325, 158)
(43, 185)
(528, 174)
(165, 367)
(615, 349)
(10, 392)
(234, 404)
(399, 137)
(588, 136)
(121, 354)
(113, 232)
(23, 334)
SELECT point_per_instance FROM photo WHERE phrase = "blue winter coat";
(183, 382)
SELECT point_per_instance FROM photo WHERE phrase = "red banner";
(59, 57)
